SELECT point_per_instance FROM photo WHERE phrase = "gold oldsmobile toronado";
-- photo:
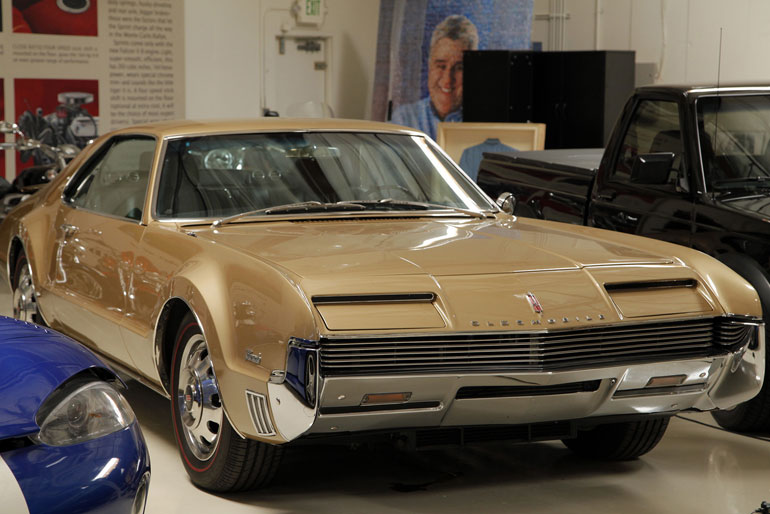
(295, 280)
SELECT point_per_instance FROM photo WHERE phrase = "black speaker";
(497, 86)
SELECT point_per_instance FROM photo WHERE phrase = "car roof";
(173, 128)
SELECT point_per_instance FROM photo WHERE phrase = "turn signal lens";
(672, 380)
(370, 399)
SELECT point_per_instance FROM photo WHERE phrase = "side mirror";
(652, 168)
(506, 202)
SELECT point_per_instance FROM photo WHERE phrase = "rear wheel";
(214, 455)
(618, 441)
(24, 299)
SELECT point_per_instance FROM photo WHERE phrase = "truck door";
(627, 201)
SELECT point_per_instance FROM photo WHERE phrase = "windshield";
(225, 175)
(734, 134)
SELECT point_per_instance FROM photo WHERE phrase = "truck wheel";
(753, 415)
(618, 441)
(213, 454)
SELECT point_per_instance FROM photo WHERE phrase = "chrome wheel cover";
(199, 403)
(24, 303)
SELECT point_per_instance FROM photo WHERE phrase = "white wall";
(221, 69)
(681, 37)
(223, 55)
(677, 39)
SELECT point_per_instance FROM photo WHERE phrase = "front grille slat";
(539, 350)
(408, 350)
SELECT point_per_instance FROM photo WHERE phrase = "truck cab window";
(734, 136)
(654, 129)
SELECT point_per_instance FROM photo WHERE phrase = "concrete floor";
(697, 468)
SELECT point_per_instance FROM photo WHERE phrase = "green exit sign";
(312, 7)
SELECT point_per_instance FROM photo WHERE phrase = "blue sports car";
(69, 442)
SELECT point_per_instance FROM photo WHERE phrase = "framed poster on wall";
(467, 142)
(455, 138)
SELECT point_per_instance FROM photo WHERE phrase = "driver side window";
(115, 183)
(654, 128)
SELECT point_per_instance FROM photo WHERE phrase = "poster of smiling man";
(419, 70)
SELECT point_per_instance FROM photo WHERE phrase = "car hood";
(35, 361)
(375, 247)
(467, 274)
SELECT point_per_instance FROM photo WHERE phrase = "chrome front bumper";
(718, 382)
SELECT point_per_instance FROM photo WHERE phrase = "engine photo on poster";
(62, 17)
(55, 112)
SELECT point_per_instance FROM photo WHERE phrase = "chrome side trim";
(259, 412)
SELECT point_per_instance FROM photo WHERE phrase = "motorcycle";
(31, 179)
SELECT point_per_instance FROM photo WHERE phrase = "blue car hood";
(33, 362)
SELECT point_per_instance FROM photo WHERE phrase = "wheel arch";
(753, 273)
(14, 250)
(166, 327)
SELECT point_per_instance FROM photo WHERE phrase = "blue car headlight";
(79, 414)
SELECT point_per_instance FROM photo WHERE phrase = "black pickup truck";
(689, 165)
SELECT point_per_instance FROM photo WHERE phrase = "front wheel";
(618, 441)
(214, 455)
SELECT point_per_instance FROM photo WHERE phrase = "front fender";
(753, 273)
(244, 311)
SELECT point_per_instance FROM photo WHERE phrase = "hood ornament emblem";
(534, 303)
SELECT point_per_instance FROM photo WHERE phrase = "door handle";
(606, 197)
(627, 218)
(68, 229)
(632, 219)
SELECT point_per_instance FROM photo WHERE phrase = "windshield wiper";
(311, 206)
(409, 204)
(739, 180)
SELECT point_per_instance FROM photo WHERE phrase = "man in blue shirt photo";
(450, 38)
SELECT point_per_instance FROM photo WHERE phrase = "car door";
(627, 202)
(97, 228)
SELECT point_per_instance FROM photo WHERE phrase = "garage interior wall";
(675, 41)
(224, 54)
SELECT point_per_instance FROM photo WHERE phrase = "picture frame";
(454, 138)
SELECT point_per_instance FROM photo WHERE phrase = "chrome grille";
(733, 333)
(530, 351)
